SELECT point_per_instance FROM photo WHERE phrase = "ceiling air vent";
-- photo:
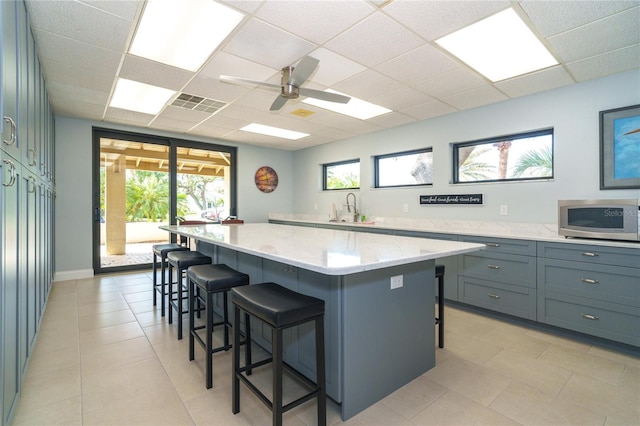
(198, 103)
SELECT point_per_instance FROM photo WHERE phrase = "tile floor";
(104, 355)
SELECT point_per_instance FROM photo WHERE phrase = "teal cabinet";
(501, 278)
(26, 201)
(590, 289)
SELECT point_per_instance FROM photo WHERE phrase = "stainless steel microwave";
(602, 219)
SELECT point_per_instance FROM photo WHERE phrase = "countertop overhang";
(326, 251)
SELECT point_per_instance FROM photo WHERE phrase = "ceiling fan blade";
(303, 70)
(278, 103)
(230, 79)
(324, 96)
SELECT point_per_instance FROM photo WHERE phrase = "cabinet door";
(28, 278)
(10, 138)
(11, 183)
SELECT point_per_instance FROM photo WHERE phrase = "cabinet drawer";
(512, 300)
(503, 245)
(508, 268)
(610, 322)
(601, 255)
(599, 282)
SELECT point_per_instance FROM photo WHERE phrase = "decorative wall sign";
(470, 199)
(266, 179)
(620, 148)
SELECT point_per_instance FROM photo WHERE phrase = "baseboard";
(73, 275)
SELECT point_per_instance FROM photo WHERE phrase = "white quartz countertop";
(516, 230)
(327, 251)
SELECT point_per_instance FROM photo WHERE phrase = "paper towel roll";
(333, 213)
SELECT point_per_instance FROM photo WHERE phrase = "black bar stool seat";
(181, 261)
(280, 308)
(211, 280)
(161, 251)
(440, 317)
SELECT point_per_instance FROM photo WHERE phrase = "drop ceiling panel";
(392, 119)
(79, 21)
(154, 73)
(368, 84)
(334, 67)
(611, 33)
(555, 17)
(429, 110)
(314, 20)
(434, 19)
(208, 87)
(260, 42)
(188, 116)
(418, 64)
(225, 63)
(450, 83)
(540, 81)
(82, 77)
(401, 98)
(126, 9)
(129, 117)
(374, 40)
(475, 98)
(625, 59)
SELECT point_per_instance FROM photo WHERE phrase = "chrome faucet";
(355, 209)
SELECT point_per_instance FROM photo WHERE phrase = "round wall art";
(266, 179)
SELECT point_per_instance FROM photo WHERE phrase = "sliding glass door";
(142, 182)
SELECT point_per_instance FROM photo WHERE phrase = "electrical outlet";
(396, 282)
(405, 208)
(504, 210)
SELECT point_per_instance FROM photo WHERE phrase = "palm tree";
(535, 163)
(147, 196)
(473, 170)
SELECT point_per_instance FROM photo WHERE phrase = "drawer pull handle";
(493, 296)
(493, 245)
(589, 317)
(12, 137)
(589, 254)
(589, 281)
(493, 267)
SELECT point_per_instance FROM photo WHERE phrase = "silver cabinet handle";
(589, 254)
(33, 182)
(32, 150)
(589, 281)
(493, 267)
(492, 245)
(12, 139)
(589, 317)
(493, 296)
(12, 173)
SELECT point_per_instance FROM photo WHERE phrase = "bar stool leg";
(192, 321)
(276, 353)
(247, 336)
(320, 372)
(170, 292)
(441, 311)
(209, 339)
(235, 364)
(155, 280)
(180, 302)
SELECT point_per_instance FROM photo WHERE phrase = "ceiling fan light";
(183, 33)
(273, 131)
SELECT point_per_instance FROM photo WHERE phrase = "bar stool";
(161, 251)
(440, 317)
(181, 261)
(211, 280)
(281, 309)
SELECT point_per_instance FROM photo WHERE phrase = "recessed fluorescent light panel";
(183, 33)
(273, 131)
(140, 97)
(499, 47)
(356, 108)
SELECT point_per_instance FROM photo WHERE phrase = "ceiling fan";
(291, 80)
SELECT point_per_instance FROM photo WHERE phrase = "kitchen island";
(378, 291)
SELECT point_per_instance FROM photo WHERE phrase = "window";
(342, 175)
(525, 156)
(409, 168)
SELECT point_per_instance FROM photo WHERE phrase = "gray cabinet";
(26, 202)
(501, 278)
(590, 289)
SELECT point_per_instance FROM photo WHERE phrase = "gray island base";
(379, 298)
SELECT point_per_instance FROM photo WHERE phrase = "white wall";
(572, 111)
(73, 208)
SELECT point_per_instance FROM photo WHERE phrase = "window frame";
(376, 167)
(339, 163)
(455, 147)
